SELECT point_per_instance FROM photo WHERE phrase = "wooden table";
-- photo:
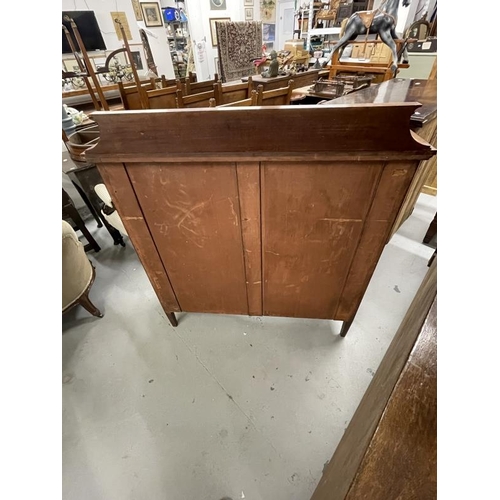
(305, 95)
(423, 122)
(399, 90)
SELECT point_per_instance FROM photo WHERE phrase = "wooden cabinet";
(280, 211)
(423, 122)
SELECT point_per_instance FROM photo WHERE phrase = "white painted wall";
(280, 18)
(198, 13)
(406, 15)
(157, 36)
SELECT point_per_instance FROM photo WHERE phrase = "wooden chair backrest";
(130, 95)
(251, 101)
(201, 100)
(161, 98)
(131, 99)
(177, 81)
(233, 92)
(277, 97)
(191, 87)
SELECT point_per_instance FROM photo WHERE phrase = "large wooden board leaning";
(279, 211)
(389, 449)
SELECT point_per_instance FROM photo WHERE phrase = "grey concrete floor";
(221, 406)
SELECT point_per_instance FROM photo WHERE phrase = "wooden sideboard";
(423, 122)
(389, 449)
(279, 211)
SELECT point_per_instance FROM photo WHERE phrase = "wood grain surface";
(249, 197)
(402, 457)
(124, 199)
(356, 454)
(390, 193)
(196, 228)
(311, 228)
(372, 128)
(398, 90)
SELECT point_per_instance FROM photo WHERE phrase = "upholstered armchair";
(77, 273)
(109, 212)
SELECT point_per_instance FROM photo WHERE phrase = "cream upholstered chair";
(109, 212)
(77, 273)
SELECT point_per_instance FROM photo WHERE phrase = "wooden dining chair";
(200, 100)
(233, 92)
(129, 93)
(251, 101)
(190, 87)
(164, 98)
(277, 97)
(133, 98)
(173, 81)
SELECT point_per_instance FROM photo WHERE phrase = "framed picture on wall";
(71, 65)
(269, 32)
(152, 14)
(248, 13)
(138, 55)
(137, 10)
(248, 3)
(213, 31)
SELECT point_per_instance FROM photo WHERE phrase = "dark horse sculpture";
(381, 21)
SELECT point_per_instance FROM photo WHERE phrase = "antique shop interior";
(249, 249)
